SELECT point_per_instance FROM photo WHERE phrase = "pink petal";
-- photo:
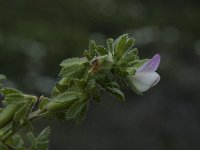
(151, 65)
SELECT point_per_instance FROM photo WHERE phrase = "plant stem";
(33, 116)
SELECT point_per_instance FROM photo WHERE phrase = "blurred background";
(36, 35)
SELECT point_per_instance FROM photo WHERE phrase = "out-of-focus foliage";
(2, 78)
(40, 33)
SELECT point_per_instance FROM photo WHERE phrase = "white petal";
(145, 80)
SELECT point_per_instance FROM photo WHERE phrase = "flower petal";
(151, 65)
(145, 80)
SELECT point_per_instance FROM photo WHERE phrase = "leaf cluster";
(102, 68)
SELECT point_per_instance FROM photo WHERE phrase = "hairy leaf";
(42, 141)
(77, 110)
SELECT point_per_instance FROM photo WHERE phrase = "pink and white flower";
(145, 76)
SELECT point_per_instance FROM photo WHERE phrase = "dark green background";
(36, 35)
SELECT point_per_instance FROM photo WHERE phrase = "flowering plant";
(81, 81)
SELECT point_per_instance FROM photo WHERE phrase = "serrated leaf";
(6, 116)
(14, 99)
(64, 101)
(129, 43)
(73, 61)
(122, 45)
(72, 68)
(13, 96)
(110, 45)
(30, 136)
(10, 91)
(44, 135)
(92, 51)
(76, 110)
(95, 94)
(58, 89)
(67, 96)
(112, 87)
(82, 115)
(42, 141)
(101, 50)
(43, 102)
(116, 92)
(129, 56)
(87, 55)
(92, 48)
(22, 113)
(15, 142)
(119, 46)
(68, 74)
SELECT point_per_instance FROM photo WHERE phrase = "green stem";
(32, 117)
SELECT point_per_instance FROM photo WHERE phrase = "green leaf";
(64, 101)
(58, 89)
(72, 68)
(113, 89)
(77, 111)
(122, 44)
(30, 136)
(17, 141)
(72, 71)
(2, 78)
(14, 99)
(13, 96)
(73, 62)
(129, 43)
(79, 85)
(129, 56)
(101, 50)
(107, 83)
(119, 46)
(43, 102)
(110, 45)
(10, 91)
(22, 114)
(93, 91)
(42, 141)
(44, 135)
(92, 52)
(67, 96)
(92, 48)
(116, 92)
(87, 55)
(95, 94)
(6, 116)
